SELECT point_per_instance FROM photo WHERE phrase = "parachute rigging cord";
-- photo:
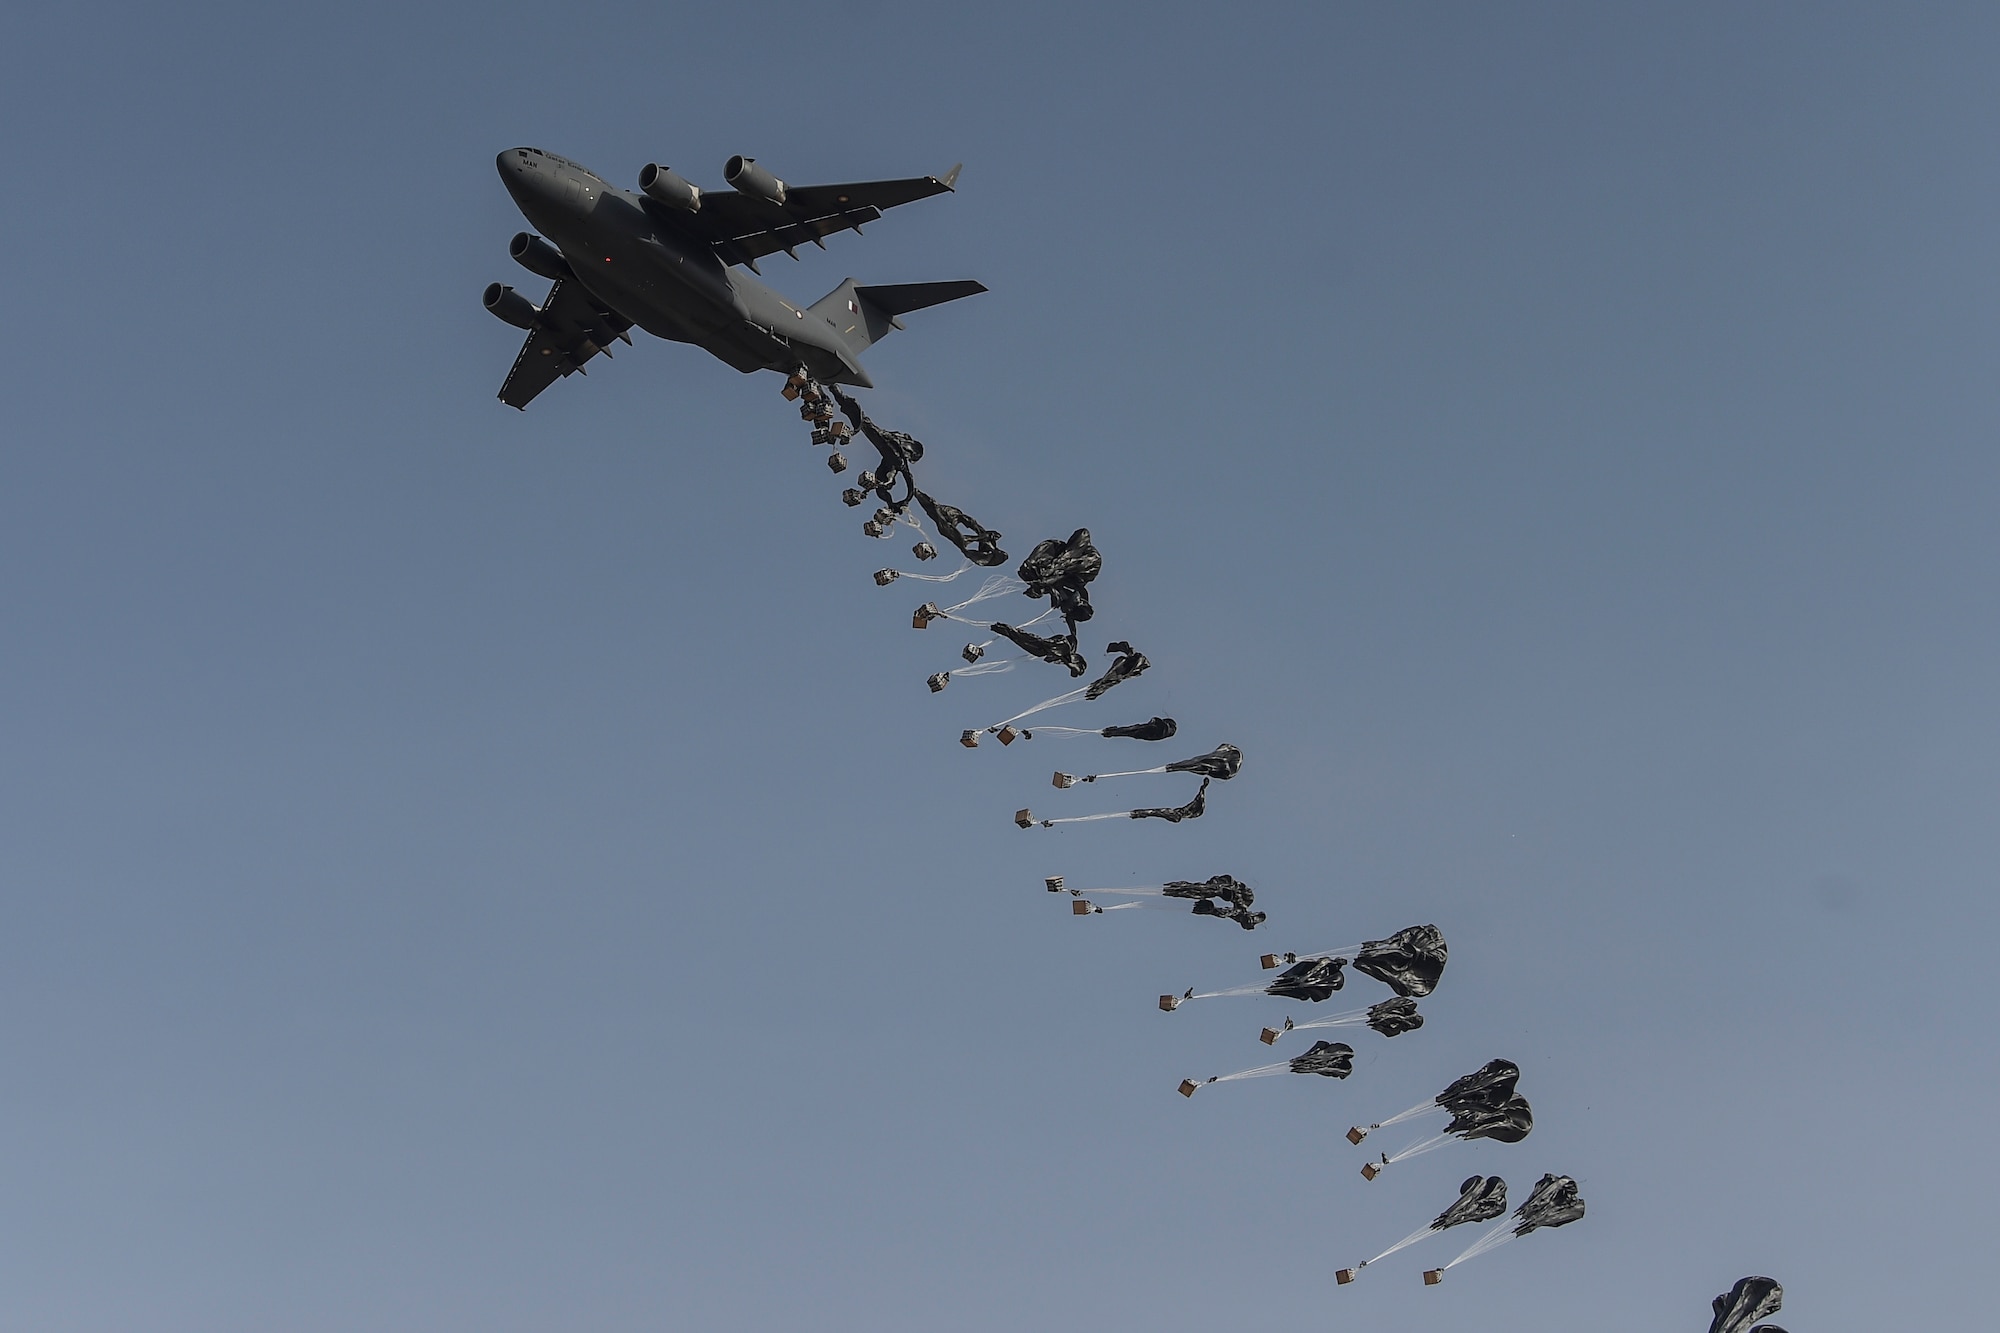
(1130, 663)
(1222, 896)
(1327, 1059)
(1156, 729)
(1405, 1243)
(1391, 1018)
(1554, 1202)
(1487, 1243)
(1222, 763)
(1482, 1105)
(995, 585)
(1173, 814)
(884, 577)
(1480, 1199)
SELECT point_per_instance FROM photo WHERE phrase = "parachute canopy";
(1392, 1018)
(1510, 1122)
(1480, 1199)
(1059, 649)
(1409, 961)
(977, 543)
(1154, 729)
(1223, 762)
(1744, 1304)
(1222, 896)
(1553, 1202)
(1328, 1059)
(1489, 1085)
(899, 452)
(1484, 1105)
(1130, 662)
(1313, 980)
(1061, 571)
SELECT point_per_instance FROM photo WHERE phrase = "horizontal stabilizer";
(864, 315)
(902, 298)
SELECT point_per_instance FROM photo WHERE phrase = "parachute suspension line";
(998, 585)
(1348, 952)
(1128, 773)
(987, 624)
(1492, 1240)
(1417, 1149)
(1420, 1108)
(928, 578)
(1352, 1019)
(1067, 731)
(1261, 1071)
(1085, 819)
(1056, 702)
(1403, 1244)
(1218, 994)
(998, 664)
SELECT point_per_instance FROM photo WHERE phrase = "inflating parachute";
(1059, 649)
(1745, 1303)
(1222, 763)
(1173, 814)
(1130, 662)
(1222, 896)
(1410, 961)
(1062, 571)
(1554, 1202)
(976, 542)
(1391, 1018)
(1328, 1059)
(1482, 1105)
(1153, 729)
(1314, 977)
(1480, 1199)
(898, 451)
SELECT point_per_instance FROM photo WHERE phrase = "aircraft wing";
(573, 329)
(743, 227)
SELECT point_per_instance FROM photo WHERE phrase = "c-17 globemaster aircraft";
(665, 259)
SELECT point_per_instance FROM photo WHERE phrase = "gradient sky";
(463, 869)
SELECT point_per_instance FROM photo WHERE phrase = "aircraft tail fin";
(865, 315)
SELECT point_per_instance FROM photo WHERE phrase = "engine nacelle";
(537, 256)
(746, 177)
(511, 306)
(657, 182)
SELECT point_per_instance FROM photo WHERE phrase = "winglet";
(950, 181)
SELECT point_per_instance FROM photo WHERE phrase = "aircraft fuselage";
(628, 252)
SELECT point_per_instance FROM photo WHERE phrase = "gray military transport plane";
(665, 259)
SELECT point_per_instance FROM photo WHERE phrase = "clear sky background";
(463, 869)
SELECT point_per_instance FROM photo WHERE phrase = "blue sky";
(468, 869)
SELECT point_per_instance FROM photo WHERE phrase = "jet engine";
(746, 177)
(662, 184)
(537, 256)
(510, 305)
